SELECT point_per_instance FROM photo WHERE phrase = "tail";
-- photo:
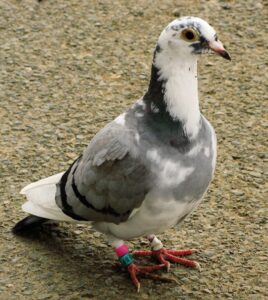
(27, 224)
(41, 202)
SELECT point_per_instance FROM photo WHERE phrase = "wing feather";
(109, 180)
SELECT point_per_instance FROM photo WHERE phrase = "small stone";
(255, 174)
(259, 5)
(238, 192)
(44, 296)
(176, 12)
(226, 6)
(86, 294)
(144, 296)
(108, 281)
(78, 246)
(209, 253)
(29, 292)
(96, 234)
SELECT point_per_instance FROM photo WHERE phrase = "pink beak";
(218, 48)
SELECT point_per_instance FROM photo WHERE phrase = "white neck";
(181, 89)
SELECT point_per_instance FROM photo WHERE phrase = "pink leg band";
(121, 250)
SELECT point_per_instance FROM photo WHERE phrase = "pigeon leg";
(165, 256)
(136, 270)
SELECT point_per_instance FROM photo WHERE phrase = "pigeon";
(149, 168)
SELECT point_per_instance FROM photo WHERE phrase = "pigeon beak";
(218, 48)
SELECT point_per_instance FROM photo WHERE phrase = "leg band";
(126, 260)
(156, 244)
(121, 250)
(123, 255)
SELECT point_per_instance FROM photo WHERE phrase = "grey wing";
(107, 182)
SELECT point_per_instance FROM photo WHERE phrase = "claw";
(198, 267)
(168, 265)
(133, 270)
(195, 250)
(145, 271)
(182, 261)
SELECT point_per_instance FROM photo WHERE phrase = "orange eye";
(189, 35)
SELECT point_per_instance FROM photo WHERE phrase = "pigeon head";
(189, 37)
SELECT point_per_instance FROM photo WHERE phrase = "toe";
(133, 270)
(141, 253)
(182, 261)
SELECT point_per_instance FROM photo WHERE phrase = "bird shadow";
(70, 253)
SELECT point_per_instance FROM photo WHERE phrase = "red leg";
(134, 270)
(165, 256)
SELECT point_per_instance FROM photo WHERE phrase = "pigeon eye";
(189, 35)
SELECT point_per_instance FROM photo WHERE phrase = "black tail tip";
(27, 224)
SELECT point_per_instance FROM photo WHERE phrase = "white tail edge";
(41, 199)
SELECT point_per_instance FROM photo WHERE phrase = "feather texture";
(41, 199)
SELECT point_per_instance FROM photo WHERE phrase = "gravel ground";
(68, 68)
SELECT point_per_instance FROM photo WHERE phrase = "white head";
(174, 84)
(188, 37)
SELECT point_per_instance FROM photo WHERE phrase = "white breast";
(158, 212)
(169, 173)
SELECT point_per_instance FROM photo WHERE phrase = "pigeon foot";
(146, 271)
(126, 260)
(165, 256)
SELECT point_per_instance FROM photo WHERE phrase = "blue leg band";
(126, 260)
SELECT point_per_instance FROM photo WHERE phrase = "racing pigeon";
(148, 169)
